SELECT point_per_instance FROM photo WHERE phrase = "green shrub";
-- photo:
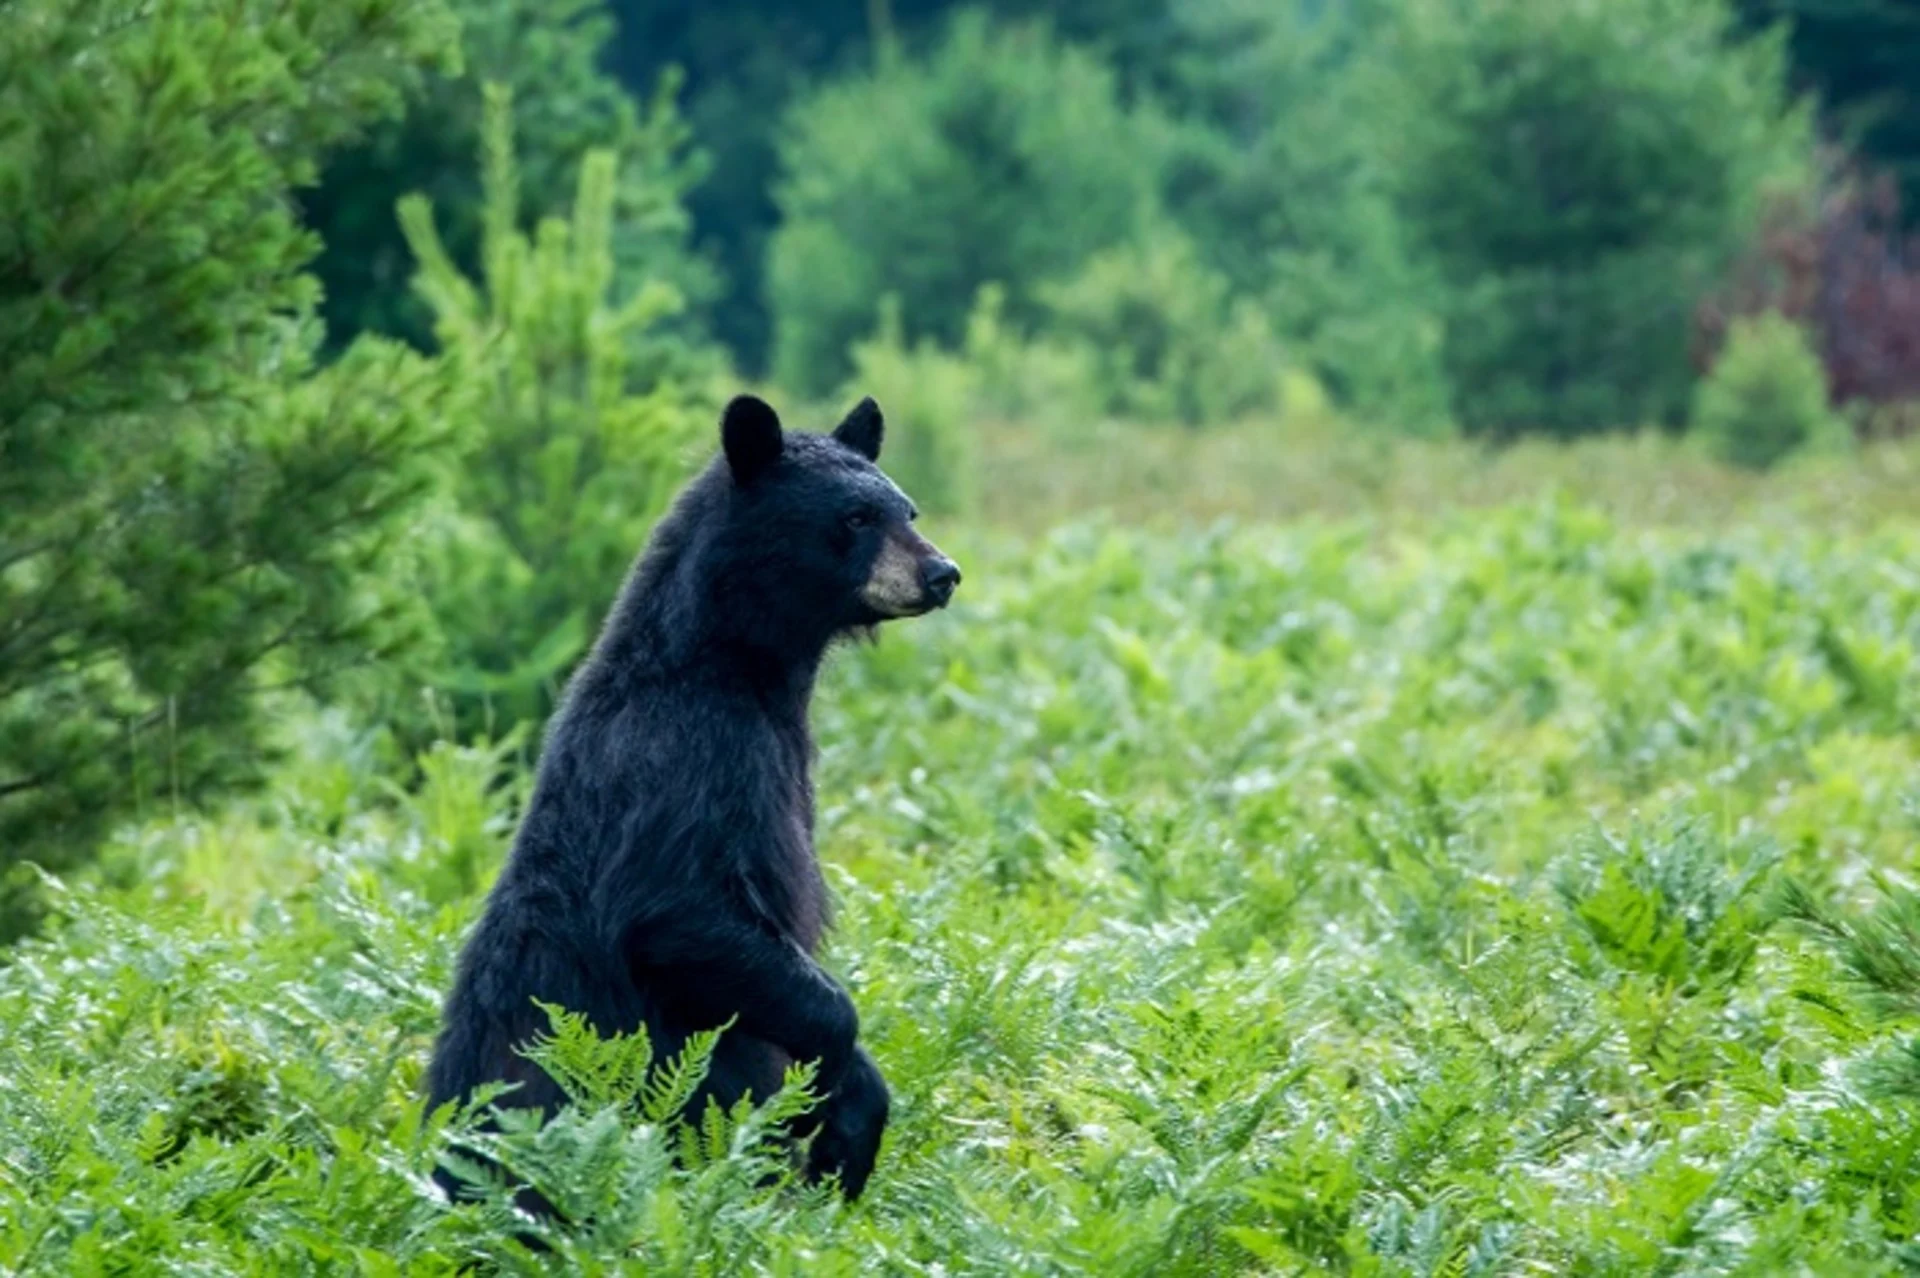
(1766, 396)
(1166, 339)
(1577, 175)
(1035, 382)
(1266, 160)
(929, 398)
(1003, 156)
(578, 423)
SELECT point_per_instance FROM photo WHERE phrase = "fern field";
(1534, 895)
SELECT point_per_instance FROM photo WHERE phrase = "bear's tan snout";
(910, 576)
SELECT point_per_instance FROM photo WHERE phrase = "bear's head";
(834, 536)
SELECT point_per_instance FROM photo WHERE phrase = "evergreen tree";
(578, 421)
(745, 62)
(1268, 166)
(188, 518)
(1578, 175)
(1002, 157)
(547, 52)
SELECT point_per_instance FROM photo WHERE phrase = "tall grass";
(1308, 465)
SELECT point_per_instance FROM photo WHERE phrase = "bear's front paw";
(852, 1120)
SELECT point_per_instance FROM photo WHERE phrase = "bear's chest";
(784, 882)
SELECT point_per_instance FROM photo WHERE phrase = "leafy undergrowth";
(1531, 896)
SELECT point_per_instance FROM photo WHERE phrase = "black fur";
(664, 874)
(863, 429)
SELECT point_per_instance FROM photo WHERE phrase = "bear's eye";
(862, 519)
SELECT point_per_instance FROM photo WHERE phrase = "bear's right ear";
(750, 433)
(863, 429)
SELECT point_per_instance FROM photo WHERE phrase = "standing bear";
(664, 875)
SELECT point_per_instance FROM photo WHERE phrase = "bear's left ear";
(863, 429)
(750, 433)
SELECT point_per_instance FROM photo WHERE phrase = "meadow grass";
(1516, 888)
(1311, 466)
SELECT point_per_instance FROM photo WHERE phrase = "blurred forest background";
(349, 347)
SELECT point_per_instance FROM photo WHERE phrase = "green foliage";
(1315, 463)
(460, 803)
(1025, 380)
(1578, 175)
(577, 416)
(1528, 894)
(609, 1160)
(1766, 396)
(745, 62)
(1003, 157)
(929, 398)
(1863, 56)
(547, 53)
(1268, 164)
(748, 60)
(619, 1070)
(1267, 157)
(1164, 336)
(1878, 955)
(189, 516)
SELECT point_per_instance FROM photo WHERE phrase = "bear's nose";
(940, 575)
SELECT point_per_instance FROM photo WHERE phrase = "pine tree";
(579, 417)
(188, 516)
(547, 52)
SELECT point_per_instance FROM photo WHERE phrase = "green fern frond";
(668, 1089)
(593, 1071)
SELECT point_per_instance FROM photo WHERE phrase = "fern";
(1525, 897)
(668, 1090)
(592, 1071)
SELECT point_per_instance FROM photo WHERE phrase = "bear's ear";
(863, 429)
(750, 433)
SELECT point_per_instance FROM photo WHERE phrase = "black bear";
(664, 874)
